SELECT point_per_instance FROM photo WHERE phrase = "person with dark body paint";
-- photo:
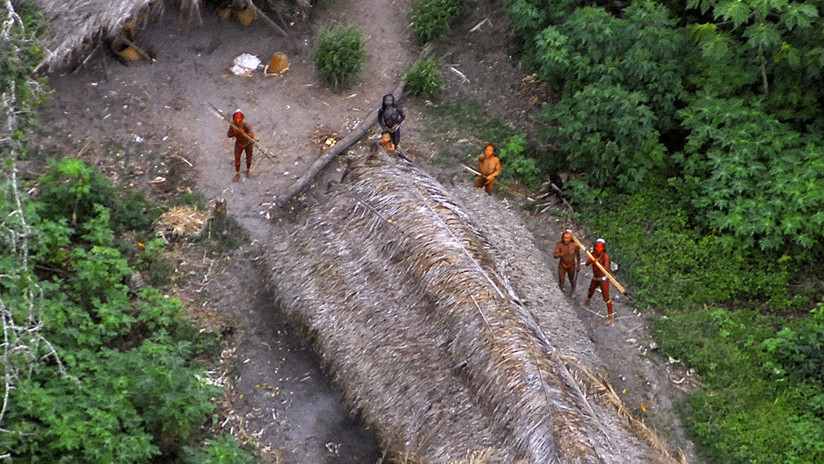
(390, 118)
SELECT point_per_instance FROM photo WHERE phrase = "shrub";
(515, 159)
(431, 18)
(798, 350)
(71, 189)
(223, 450)
(117, 379)
(761, 182)
(671, 265)
(423, 78)
(339, 55)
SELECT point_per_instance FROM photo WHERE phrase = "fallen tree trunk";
(340, 147)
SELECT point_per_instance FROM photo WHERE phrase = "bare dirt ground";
(149, 127)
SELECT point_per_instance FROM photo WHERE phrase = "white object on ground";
(244, 64)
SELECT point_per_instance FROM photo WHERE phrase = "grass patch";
(750, 409)
(423, 79)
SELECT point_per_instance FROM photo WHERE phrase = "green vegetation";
(432, 18)
(467, 120)
(513, 154)
(696, 128)
(112, 373)
(92, 370)
(423, 78)
(339, 55)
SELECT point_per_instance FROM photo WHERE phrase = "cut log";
(336, 150)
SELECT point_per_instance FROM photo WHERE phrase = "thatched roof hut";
(77, 26)
(433, 311)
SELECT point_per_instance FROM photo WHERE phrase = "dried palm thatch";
(180, 222)
(434, 316)
(77, 26)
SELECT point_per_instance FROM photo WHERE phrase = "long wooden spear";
(606, 272)
(232, 123)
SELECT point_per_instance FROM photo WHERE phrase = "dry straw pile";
(435, 315)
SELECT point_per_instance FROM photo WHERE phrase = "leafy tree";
(776, 40)
(621, 81)
(756, 177)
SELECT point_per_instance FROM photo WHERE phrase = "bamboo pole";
(605, 271)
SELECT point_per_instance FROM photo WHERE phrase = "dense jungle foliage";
(697, 129)
(93, 371)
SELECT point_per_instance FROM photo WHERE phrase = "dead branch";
(268, 19)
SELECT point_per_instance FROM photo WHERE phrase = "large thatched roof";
(75, 26)
(433, 311)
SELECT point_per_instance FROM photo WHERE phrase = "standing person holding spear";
(244, 140)
(600, 276)
(242, 132)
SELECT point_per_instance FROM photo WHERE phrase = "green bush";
(339, 55)
(423, 78)
(223, 450)
(798, 350)
(514, 158)
(431, 18)
(745, 412)
(71, 189)
(608, 134)
(671, 265)
(760, 182)
(118, 382)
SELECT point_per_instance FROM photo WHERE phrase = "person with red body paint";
(599, 277)
(243, 142)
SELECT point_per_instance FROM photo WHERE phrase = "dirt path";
(278, 395)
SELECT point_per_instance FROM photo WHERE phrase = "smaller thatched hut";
(76, 27)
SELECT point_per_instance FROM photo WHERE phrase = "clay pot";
(279, 64)
(129, 54)
(224, 13)
(245, 17)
